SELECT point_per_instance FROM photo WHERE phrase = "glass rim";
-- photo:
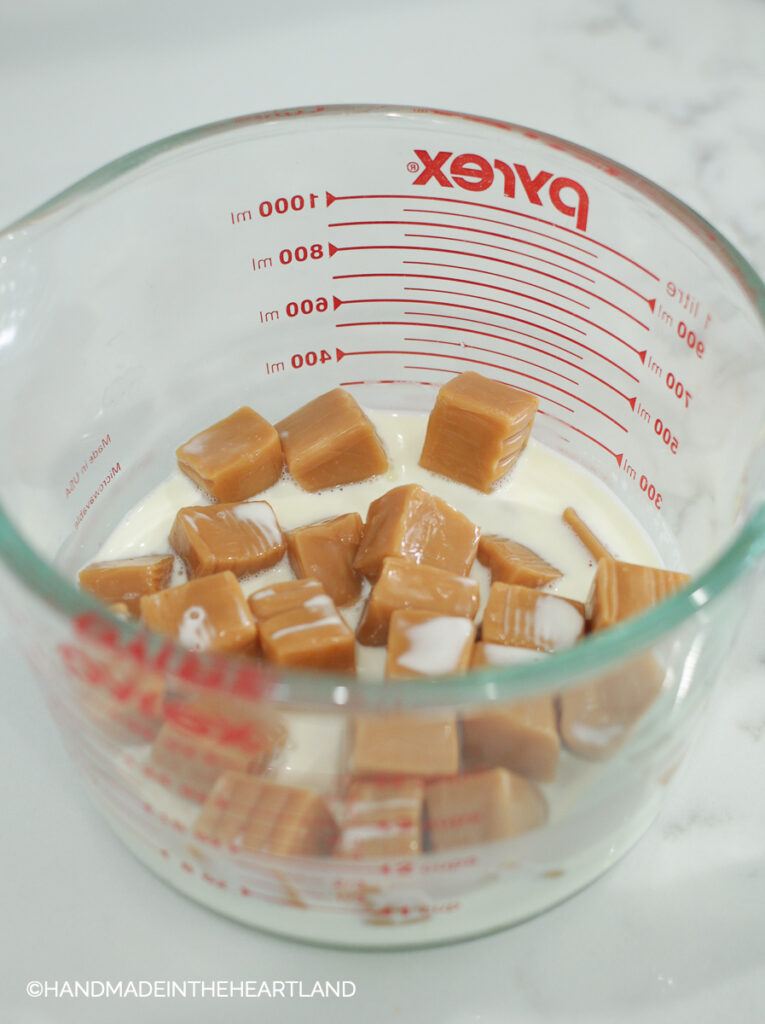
(557, 671)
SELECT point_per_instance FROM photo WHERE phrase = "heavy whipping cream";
(527, 506)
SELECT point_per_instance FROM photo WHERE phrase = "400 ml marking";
(299, 360)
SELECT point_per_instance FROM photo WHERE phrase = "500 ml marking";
(281, 205)
(648, 489)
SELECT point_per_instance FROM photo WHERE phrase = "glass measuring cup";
(268, 259)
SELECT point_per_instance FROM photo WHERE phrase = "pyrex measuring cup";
(270, 258)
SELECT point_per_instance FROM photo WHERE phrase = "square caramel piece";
(521, 617)
(409, 523)
(313, 635)
(521, 736)
(326, 551)
(208, 614)
(283, 597)
(595, 718)
(404, 584)
(383, 819)
(209, 735)
(250, 813)
(511, 562)
(477, 430)
(621, 590)
(330, 441)
(242, 536)
(424, 643)
(124, 581)
(235, 458)
(481, 807)
(405, 744)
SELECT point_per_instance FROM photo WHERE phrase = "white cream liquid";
(527, 507)
(492, 890)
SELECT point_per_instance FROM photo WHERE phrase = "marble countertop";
(676, 931)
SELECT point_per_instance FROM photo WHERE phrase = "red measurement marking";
(495, 352)
(474, 309)
(508, 213)
(500, 302)
(478, 270)
(480, 231)
(500, 248)
(552, 355)
(510, 291)
(478, 362)
(493, 220)
(424, 383)
(585, 434)
(499, 337)
(450, 370)
(494, 259)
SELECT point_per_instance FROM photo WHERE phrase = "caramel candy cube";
(283, 597)
(621, 589)
(595, 546)
(522, 737)
(404, 584)
(126, 580)
(481, 807)
(243, 537)
(596, 718)
(211, 734)
(330, 441)
(249, 813)
(382, 819)
(511, 562)
(326, 551)
(522, 617)
(428, 644)
(235, 458)
(477, 430)
(312, 636)
(208, 614)
(405, 744)
(409, 523)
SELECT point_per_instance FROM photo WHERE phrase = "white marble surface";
(674, 933)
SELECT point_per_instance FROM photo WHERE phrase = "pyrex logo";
(476, 174)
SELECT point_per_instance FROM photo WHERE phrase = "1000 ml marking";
(281, 205)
